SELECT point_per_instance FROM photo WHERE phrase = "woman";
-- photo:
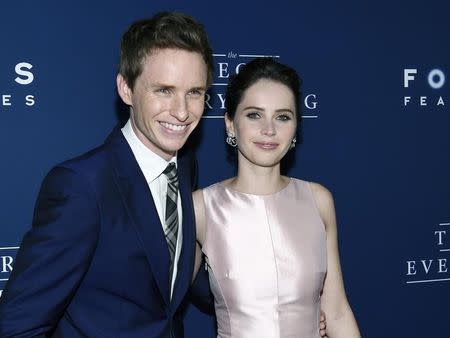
(270, 241)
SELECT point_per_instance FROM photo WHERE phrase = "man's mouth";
(174, 127)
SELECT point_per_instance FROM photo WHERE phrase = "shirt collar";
(151, 164)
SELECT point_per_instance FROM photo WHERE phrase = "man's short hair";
(163, 30)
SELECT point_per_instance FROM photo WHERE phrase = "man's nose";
(180, 109)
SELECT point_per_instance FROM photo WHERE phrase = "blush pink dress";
(266, 257)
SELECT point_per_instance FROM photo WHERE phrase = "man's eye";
(196, 92)
(164, 90)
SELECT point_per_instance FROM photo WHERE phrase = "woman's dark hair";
(258, 69)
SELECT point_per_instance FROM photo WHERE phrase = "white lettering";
(6, 100)
(6, 264)
(425, 267)
(423, 100)
(238, 67)
(29, 77)
(29, 100)
(436, 73)
(442, 265)
(411, 268)
(310, 104)
(223, 70)
(222, 100)
(407, 76)
(440, 234)
(207, 98)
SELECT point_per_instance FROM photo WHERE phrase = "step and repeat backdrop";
(376, 99)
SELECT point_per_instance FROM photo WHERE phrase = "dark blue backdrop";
(369, 136)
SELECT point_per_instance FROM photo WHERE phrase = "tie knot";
(171, 172)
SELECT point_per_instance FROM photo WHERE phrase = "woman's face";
(264, 124)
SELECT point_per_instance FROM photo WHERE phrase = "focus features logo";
(23, 76)
(424, 87)
(229, 64)
(431, 269)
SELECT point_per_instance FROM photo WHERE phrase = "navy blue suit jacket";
(96, 262)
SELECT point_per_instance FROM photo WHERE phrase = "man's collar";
(151, 164)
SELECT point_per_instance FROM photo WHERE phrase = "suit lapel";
(140, 206)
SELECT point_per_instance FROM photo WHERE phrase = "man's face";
(167, 100)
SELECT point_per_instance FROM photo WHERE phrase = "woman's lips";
(266, 145)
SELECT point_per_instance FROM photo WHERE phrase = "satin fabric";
(266, 257)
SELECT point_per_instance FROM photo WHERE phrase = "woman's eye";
(253, 115)
(283, 117)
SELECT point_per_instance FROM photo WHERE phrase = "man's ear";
(229, 124)
(123, 90)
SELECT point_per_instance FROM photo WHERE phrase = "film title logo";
(425, 86)
(431, 269)
(229, 64)
(23, 76)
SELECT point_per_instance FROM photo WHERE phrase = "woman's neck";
(253, 179)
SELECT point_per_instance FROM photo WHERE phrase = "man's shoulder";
(78, 171)
(88, 160)
(98, 156)
(94, 162)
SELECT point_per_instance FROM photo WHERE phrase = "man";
(111, 250)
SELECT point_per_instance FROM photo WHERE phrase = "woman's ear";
(229, 124)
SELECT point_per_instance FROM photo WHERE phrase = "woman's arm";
(200, 292)
(199, 209)
(341, 322)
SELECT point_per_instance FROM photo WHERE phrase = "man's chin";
(174, 147)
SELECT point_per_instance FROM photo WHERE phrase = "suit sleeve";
(53, 257)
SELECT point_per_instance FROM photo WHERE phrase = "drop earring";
(231, 139)
(293, 143)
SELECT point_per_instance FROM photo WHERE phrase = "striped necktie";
(171, 218)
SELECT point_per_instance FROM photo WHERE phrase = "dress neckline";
(258, 195)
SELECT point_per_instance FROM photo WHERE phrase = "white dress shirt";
(152, 167)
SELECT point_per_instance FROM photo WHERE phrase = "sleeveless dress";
(266, 258)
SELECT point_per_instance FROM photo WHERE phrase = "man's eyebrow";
(199, 88)
(160, 84)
